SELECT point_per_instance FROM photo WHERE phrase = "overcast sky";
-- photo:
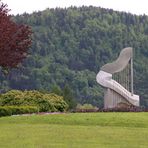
(132, 6)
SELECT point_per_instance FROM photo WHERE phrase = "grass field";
(75, 130)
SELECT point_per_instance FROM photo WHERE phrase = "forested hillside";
(70, 45)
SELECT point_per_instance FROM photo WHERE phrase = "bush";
(15, 110)
(86, 108)
(5, 111)
(57, 102)
(13, 97)
(124, 109)
(45, 102)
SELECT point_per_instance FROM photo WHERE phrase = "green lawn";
(78, 130)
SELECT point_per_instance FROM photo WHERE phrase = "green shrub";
(57, 102)
(86, 108)
(5, 111)
(45, 102)
(15, 110)
(13, 97)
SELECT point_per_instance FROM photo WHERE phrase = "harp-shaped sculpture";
(117, 79)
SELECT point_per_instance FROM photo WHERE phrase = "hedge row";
(45, 102)
(15, 110)
(124, 109)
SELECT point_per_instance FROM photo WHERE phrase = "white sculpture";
(117, 95)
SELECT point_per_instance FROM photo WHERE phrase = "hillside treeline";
(70, 45)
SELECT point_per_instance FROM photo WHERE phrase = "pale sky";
(133, 6)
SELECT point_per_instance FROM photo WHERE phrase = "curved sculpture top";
(121, 62)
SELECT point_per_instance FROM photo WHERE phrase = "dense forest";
(69, 47)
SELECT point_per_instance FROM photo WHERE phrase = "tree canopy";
(15, 39)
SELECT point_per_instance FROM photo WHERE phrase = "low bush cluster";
(14, 110)
(91, 108)
(124, 109)
(44, 102)
(86, 108)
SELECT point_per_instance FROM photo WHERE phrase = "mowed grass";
(75, 130)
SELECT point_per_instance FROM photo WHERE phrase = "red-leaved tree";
(15, 40)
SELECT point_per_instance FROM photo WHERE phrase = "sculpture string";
(117, 79)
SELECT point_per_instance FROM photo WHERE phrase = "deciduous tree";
(15, 39)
